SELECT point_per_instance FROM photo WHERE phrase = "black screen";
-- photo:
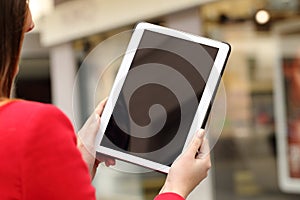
(160, 96)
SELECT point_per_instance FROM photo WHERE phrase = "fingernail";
(200, 133)
(97, 117)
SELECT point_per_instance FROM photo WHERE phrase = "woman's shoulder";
(33, 110)
(24, 107)
(50, 155)
(35, 115)
(34, 120)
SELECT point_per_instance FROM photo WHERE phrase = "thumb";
(196, 143)
(87, 134)
(100, 107)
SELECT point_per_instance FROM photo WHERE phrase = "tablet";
(161, 95)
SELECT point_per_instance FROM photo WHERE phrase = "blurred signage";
(287, 90)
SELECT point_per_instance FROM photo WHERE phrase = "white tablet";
(161, 95)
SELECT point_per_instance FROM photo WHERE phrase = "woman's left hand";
(86, 141)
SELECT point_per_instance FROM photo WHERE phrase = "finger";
(99, 109)
(203, 158)
(196, 143)
(100, 157)
(97, 162)
(109, 162)
(112, 162)
(103, 158)
(88, 132)
(204, 149)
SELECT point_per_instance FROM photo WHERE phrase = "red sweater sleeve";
(52, 167)
(168, 196)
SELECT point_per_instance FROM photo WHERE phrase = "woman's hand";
(190, 168)
(86, 141)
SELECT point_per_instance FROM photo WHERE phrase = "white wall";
(77, 19)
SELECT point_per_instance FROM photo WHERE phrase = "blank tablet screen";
(160, 96)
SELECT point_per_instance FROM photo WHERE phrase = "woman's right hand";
(190, 168)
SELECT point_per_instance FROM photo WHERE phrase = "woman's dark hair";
(12, 20)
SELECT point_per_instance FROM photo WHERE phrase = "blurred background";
(258, 153)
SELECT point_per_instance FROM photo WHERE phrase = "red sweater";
(39, 157)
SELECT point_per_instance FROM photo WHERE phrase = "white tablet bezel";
(203, 107)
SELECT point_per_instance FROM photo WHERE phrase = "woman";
(40, 155)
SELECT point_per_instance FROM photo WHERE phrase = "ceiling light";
(262, 17)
